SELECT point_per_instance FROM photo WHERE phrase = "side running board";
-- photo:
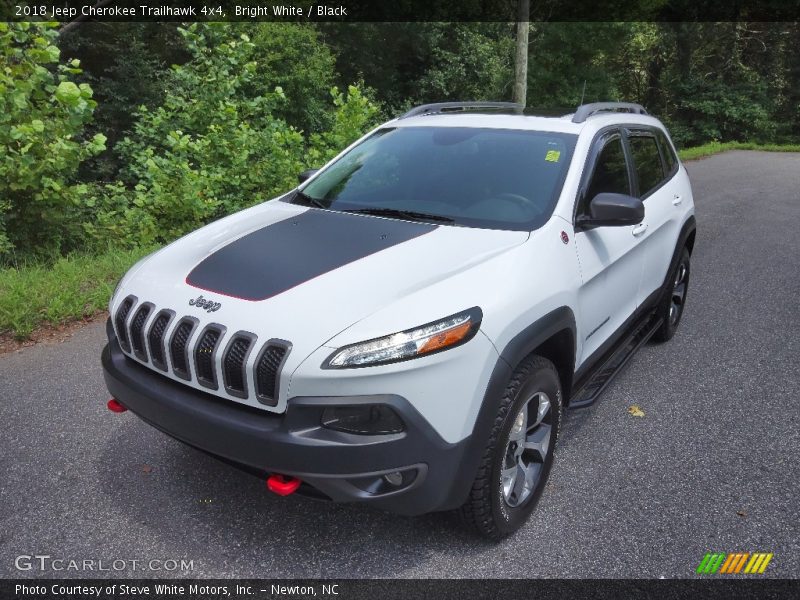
(614, 363)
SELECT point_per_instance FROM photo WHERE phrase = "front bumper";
(340, 466)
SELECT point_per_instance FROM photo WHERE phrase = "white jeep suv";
(407, 326)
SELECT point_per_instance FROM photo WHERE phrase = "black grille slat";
(204, 357)
(119, 321)
(178, 345)
(155, 338)
(268, 371)
(137, 330)
(178, 348)
(233, 365)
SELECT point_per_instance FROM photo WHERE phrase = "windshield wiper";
(308, 200)
(408, 215)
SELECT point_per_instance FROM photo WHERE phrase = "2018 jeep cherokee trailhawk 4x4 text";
(406, 327)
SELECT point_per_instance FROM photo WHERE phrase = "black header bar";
(397, 10)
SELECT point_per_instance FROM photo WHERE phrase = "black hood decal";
(280, 256)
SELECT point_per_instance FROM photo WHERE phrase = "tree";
(125, 64)
(42, 118)
(217, 143)
(414, 63)
(521, 54)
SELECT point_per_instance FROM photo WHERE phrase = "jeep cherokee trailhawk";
(406, 327)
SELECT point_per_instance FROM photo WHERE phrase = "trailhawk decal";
(278, 257)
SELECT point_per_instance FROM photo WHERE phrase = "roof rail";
(451, 107)
(585, 111)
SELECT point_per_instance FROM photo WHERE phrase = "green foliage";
(216, 144)
(730, 81)
(415, 63)
(125, 63)
(467, 60)
(710, 110)
(73, 287)
(713, 84)
(565, 56)
(354, 114)
(292, 57)
(42, 116)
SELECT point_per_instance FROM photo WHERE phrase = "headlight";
(434, 337)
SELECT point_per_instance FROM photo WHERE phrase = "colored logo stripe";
(711, 563)
(733, 563)
(758, 563)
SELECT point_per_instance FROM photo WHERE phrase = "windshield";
(490, 178)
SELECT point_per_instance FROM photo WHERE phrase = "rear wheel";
(671, 309)
(517, 460)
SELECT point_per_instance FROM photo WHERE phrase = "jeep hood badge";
(208, 305)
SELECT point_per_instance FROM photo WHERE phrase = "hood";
(301, 274)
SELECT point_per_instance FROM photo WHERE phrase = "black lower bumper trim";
(295, 443)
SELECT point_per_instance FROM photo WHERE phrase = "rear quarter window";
(647, 162)
(670, 160)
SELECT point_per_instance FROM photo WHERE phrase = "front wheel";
(517, 460)
(671, 308)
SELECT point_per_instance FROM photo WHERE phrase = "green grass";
(717, 147)
(71, 288)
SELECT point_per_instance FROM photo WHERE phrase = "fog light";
(386, 483)
(368, 419)
(395, 479)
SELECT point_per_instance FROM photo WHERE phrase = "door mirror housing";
(305, 175)
(612, 210)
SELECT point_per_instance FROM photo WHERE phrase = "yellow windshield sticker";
(552, 155)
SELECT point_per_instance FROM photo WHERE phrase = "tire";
(504, 493)
(674, 301)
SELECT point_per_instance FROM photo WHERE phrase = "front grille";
(178, 347)
(204, 356)
(268, 369)
(119, 321)
(234, 362)
(156, 338)
(137, 330)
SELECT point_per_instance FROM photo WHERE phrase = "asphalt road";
(712, 466)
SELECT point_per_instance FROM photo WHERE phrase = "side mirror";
(307, 174)
(612, 210)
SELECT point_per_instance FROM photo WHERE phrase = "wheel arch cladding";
(553, 337)
(690, 240)
(559, 349)
(553, 334)
(687, 235)
(685, 240)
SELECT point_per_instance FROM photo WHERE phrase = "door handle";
(676, 200)
(639, 229)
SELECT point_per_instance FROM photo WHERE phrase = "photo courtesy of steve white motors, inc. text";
(68, 13)
(173, 589)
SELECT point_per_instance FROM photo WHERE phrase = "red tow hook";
(283, 485)
(115, 405)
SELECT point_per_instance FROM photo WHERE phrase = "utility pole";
(521, 55)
